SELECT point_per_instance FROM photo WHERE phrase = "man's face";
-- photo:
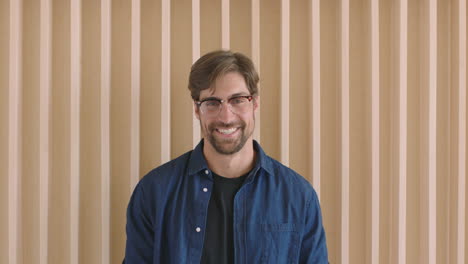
(228, 130)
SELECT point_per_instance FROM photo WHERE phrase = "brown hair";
(217, 63)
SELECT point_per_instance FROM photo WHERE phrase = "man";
(226, 201)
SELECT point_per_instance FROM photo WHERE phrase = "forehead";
(226, 85)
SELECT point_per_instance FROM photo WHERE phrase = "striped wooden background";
(365, 98)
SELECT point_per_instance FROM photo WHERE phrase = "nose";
(225, 114)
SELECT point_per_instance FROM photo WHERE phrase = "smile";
(227, 131)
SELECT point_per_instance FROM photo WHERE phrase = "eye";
(237, 100)
(211, 103)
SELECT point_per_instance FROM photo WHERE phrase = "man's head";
(223, 86)
(218, 63)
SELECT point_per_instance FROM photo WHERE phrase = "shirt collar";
(198, 163)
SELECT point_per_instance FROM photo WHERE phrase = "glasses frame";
(221, 101)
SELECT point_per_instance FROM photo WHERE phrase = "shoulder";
(290, 179)
(166, 173)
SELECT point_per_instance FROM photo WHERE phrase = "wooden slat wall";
(105, 129)
(345, 151)
(44, 124)
(195, 56)
(368, 109)
(14, 130)
(402, 132)
(75, 94)
(375, 133)
(461, 154)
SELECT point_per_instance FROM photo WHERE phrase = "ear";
(196, 110)
(256, 102)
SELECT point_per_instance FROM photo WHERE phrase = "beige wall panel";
(443, 132)
(44, 126)
(90, 158)
(422, 222)
(165, 81)
(105, 128)
(135, 93)
(345, 127)
(210, 25)
(330, 166)
(59, 248)
(315, 110)
(300, 89)
(360, 129)
(397, 107)
(4, 68)
(195, 55)
(466, 183)
(225, 24)
(150, 130)
(255, 45)
(388, 88)
(75, 145)
(458, 96)
(120, 124)
(181, 61)
(466, 158)
(454, 131)
(373, 244)
(30, 136)
(433, 109)
(270, 81)
(285, 65)
(415, 128)
(241, 26)
(14, 132)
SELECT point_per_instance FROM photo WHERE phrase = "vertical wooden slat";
(375, 181)
(105, 129)
(195, 56)
(165, 81)
(432, 144)
(316, 111)
(256, 55)
(461, 188)
(345, 131)
(285, 82)
(75, 85)
(44, 123)
(225, 32)
(135, 95)
(403, 115)
(14, 130)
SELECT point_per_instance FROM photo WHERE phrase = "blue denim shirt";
(277, 216)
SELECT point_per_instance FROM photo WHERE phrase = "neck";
(230, 166)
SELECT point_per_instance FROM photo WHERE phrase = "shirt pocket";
(280, 243)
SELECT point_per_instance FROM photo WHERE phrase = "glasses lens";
(240, 104)
(210, 106)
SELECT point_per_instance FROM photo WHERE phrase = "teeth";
(227, 131)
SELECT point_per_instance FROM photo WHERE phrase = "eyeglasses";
(212, 106)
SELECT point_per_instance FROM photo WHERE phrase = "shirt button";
(205, 189)
(198, 229)
(207, 172)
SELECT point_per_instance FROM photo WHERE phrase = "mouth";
(227, 131)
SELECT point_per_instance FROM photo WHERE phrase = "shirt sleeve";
(140, 233)
(313, 246)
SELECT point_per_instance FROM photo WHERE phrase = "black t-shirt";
(218, 247)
